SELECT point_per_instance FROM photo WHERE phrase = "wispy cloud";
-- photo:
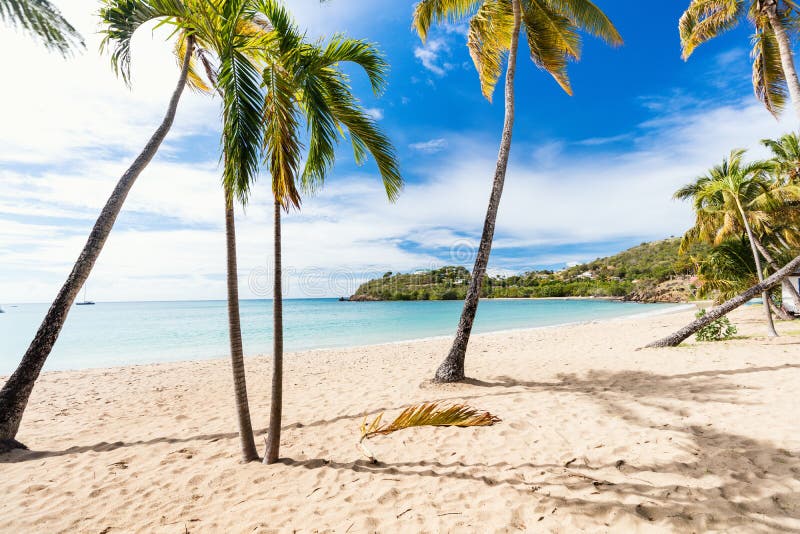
(599, 141)
(431, 146)
(430, 55)
(375, 113)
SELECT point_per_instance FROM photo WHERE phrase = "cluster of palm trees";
(277, 89)
(749, 212)
(274, 86)
(774, 78)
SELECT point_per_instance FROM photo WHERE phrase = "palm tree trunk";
(452, 368)
(276, 403)
(785, 48)
(246, 438)
(17, 390)
(786, 284)
(771, 332)
(678, 337)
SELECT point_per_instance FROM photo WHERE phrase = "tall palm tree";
(774, 23)
(304, 82)
(229, 40)
(122, 18)
(552, 28)
(44, 22)
(16, 391)
(727, 201)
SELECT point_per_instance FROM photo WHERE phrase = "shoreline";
(675, 309)
(595, 436)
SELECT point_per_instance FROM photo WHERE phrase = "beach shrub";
(719, 330)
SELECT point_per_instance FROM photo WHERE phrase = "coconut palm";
(304, 82)
(552, 28)
(678, 337)
(227, 59)
(728, 270)
(194, 23)
(730, 200)
(774, 25)
(43, 21)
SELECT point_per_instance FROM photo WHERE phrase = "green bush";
(719, 330)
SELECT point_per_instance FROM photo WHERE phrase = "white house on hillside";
(789, 301)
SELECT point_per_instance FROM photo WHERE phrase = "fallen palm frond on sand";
(425, 414)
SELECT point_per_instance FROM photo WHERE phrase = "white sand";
(703, 437)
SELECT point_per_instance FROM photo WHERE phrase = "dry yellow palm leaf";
(425, 414)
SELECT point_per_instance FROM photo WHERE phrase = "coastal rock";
(675, 290)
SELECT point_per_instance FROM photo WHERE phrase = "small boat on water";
(2, 310)
(84, 302)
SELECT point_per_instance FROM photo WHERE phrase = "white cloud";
(430, 55)
(79, 126)
(375, 113)
(431, 146)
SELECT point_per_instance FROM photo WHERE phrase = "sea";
(111, 334)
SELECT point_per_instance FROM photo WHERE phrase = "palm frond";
(193, 78)
(43, 21)
(590, 18)
(239, 80)
(122, 18)
(363, 53)
(769, 81)
(426, 414)
(281, 136)
(427, 12)
(553, 40)
(488, 40)
(366, 138)
(706, 19)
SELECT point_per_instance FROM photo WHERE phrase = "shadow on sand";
(736, 482)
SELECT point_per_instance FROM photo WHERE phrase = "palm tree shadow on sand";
(732, 482)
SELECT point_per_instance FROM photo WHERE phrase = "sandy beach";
(595, 436)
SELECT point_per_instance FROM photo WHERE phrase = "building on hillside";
(789, 301)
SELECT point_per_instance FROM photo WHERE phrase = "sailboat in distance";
(84, 302)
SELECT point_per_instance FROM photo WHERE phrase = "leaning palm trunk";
(452, 369)
(790, 289)
(16, 392)
(787, 56)
(765, 295)
(247, 441)
(276, 402)
(726, 307)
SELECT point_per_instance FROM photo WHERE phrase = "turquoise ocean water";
(127, 333)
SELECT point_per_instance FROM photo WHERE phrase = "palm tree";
(305, 82)
(728, 270)
(16, 392)
(121, 19)
(728, 200)
(676, 338)
(229, 40)
(552, 29)
(773, 61)
(44, 22)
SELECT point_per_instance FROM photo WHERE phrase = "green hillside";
(648, 272)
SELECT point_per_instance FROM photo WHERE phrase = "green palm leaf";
(44, 21)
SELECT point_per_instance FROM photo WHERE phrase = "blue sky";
(589, 175)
